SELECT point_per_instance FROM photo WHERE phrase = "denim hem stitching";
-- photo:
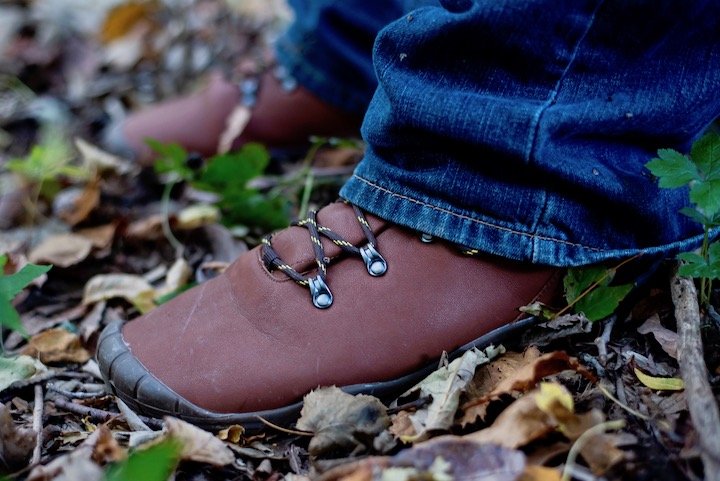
(477, 221)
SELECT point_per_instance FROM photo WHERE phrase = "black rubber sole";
(146, 394)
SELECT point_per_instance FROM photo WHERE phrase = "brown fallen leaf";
(16, 442)
(63, 250)
(521, 378)
(79, 208)
(667, 339)
(340, 420)
(232, 434)
(97, 160)
(447, 458)
(122, 19)
(196, 216)
(197, 445)
(444, 386)
(79, 464)
(177, 276)
(56, 345)
(147, 229)
(101, 236)
(540, 473)
(132, 288)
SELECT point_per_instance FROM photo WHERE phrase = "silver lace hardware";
(374, 262)
(322, 298)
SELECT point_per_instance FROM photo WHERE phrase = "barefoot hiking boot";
(341, 298)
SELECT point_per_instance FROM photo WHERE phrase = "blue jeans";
(521, 127)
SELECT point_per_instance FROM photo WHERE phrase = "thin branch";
(700, 399)
(99, 415)
(38, 424)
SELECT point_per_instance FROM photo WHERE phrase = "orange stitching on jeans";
(477, 221)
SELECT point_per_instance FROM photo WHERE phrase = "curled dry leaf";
(197, 216)
(56, 345)
(667, 339)
(232, 434)
(16, 443)
(444, 386)
(18, 368)
(234, 126)
(198, 445)
(97, 160)
(147, 229)
(520, 375)
(79, 204)
(101, 236)
(448, 458)
(134, 289)
(540, 473)
(63, 250)
(660, 383)
(177, 276)
(81, 463)
(340, 420)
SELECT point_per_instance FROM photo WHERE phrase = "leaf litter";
(527, 411)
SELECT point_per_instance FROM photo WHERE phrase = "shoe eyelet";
(374, 262)
(426, 238)
(322, 298)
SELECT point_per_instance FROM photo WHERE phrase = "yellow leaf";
(122, 19)
(660, 383)
(551, 395)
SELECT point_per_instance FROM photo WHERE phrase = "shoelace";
(320, 293)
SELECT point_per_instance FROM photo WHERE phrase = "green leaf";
(153, 464)
(11, 285)
(706, 195)
(577, 280)
(9, 317)
(171, 159)
(602, 301)
(705, 152)
(673, 169)
(18, 368)
(249, 207)
(695, 215)
(234, 170)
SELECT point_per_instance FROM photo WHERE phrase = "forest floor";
(590, 400)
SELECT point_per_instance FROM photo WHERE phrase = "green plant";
(700, 171)
(10, 286)
(152, 464)
(227, 176)
(588, 290)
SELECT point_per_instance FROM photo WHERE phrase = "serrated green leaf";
(577, 280)
(153, 464)
(705, 153)
(673, 169)
(660, 383)
(234, 170)
(695, 215)
(706, 195)
(602, 301)
(11, 285)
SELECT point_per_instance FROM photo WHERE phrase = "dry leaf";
(148, 229)
(445, 386)
(79, 207)
(198, 445)
(540, 473)
(121, 20)
(667, 339)
(56, 345)
(177, 276)
(101, 236)
(134, 289)
(78, 465)
(18, 368)
(232, 434)
(340, 420)
(234, 126)
(523, 378)
(660, 383)
(62, 250)
(448, 458)
(97, 160)
(196, 216)
(16, 443)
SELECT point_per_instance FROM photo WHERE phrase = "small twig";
(38, 424)
(584, 439)
(99, 415)
(284, 430)
(602, 341)
(75, 394)
(627, 408)
(700, 399)
(132, 418)
(418, 403)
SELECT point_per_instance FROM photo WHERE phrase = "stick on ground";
(38, 424)
(701, 402)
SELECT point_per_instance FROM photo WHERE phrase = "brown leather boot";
(279, 118)
(343, 299)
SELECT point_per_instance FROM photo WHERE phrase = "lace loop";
(320, 293)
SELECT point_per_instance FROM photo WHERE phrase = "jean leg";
(328, 47)
(521, 127)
